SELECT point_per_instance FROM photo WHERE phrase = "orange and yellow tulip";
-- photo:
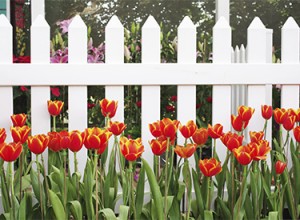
(54, 141)
(232, 140)
(20, 134)
(38, 143)
(97, 139)
(266, 111)
(245, 112)
(158, 146)
(261, 149)
(189, 129)
(237, 123)
(185, 151)
(108, 107)
(155, 129)
(210, 167)
(200, 136)
(256, 136)
(280, 115)
(169, 127)
(76, 140)
(243, 154)
(216, 131)
(55, 107)
(18, 120)
(131, 149)
(280, 167)
(289, 122)
(296, 132)
(2, 135)
(11, 151)
(116, 127)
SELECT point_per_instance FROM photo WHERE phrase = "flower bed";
(244, 186)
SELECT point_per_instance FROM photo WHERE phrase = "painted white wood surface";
(221, 109)
(223, 10)
(77, 109)
(37, 8)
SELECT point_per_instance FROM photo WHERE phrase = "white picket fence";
(257, 75)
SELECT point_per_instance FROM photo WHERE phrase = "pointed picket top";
(150, 23)
(290, 24)
(114, 22)
(77, 22)
(242, 48)
(186, 23)
(222, 23)
(4, 21)
(40, 21)
(256, 24)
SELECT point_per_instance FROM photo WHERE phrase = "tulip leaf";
(296, 173)
(76, 210)
(198, 193)
(224, 208)
(155, 191)
(208, 215)
(25, 206)
(140, 191)
(57, 206)
(249, 210)
(123, 213)
(187, 177)
(88, 186)
(108, 214)
(4, 193)
(273, 215)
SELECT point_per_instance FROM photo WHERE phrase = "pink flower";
(64, 25)
(23, 88)
(55, 91)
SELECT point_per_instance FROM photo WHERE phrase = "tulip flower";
(232, 140)
(116, 127)
(245, 112)
(158, 147)
(210, 167)
(2, 135)
(298, 115)
(54, 141)
(55, 107)
(9, 152)
(289, 122)
(38, 143)
(97, 139)
(280, 167)
(256, 136)
(296, 132)
(169, 127)
(64, 139)
(237, 123)
(18, 120)
(243, 154)
(108, 107)
(216, 131)
(261, 149)
(200, 136)
(155, 129)
(189, 129)
(185, 151)
(20, 134)
(131, 149)
(280, 115)
(266, 111)
(76, 140)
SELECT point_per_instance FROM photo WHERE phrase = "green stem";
(156, 166)
(257, 211)
(208, 200)
(232, 159)
(214, 150)
(11, 175)
(265, 129)
(5, 185)
(132, 200)
(47, 186)
(76, 170)
(96, 190)
(188, 196)
(21, 174)
(54, 124)
(65, 182)
(242, 188)
(40, 186)
(166, 177)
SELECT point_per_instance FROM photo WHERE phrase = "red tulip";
(169, 127)
(76, 140)
(55, 107)
(280, 115)
(189, 129)
(185, 151)
(108, 107)
(210, 167)
(245, 112)
(10, 152)
(20, 134)
(216, 131)
(289, 122)
(54, 141)
(232, 140)
(18, 120)
(2, 135)
(261, 149)
(155, 129)
(64, 139)
(116, 127)
(38, 143)
(158, 147)
(237, 123)
(97, 139)
(280, 167)
(256, 136)
(200, 136)
(131, 149)
(243, 154)
(296, 132)
(266, 111)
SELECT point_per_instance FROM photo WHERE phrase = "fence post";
(6, 93)
(40, 46)
(223, 9)
(37, 8)
(77, 94)
(221, 108)
(290, 54)
(150, 94)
